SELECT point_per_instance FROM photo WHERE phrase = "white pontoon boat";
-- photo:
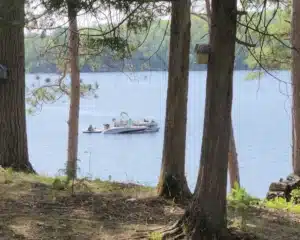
(126, 126)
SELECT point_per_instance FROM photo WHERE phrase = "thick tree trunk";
(172, 182)
(296, 85)
(206, 216)
(233, 166)
(13, 134)
(209, 207)
(75, 92)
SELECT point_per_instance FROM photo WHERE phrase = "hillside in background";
(150, 52)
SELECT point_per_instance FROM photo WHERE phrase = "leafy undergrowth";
(35, 207)
(273, 219)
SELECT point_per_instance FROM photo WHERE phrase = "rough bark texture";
(75, 92)
(233, 166)
(209, 207)
(296, 85)
(13, 134)
(172, 182)
(206, 216)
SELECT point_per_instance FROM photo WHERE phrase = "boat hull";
(130, 130)
(94, 131)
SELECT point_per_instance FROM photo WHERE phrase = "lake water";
(261, 118)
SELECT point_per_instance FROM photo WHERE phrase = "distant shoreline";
(130, 72)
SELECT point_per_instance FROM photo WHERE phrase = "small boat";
(129, 126)
(91, 129)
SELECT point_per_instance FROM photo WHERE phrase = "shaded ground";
(32, 207)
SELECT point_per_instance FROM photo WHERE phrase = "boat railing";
(130, 122)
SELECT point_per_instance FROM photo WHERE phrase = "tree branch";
(244, 43)
(241, 13)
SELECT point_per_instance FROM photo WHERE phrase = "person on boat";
(90, 129)
(114, 122)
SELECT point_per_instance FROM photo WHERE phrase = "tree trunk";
(208, 13)
(75, 92)
(13, 134)
(296, 86)
(233, 166)
(209, 206)
(208, 210)
(172, 182)
(205, 218)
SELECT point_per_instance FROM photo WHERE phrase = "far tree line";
(152, 55)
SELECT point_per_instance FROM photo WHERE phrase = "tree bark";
(13, 133)
(296, 86)
(75, 91)
(233, 166)
(205, 218)
(208, 12)
(209, 206)
(172, 182)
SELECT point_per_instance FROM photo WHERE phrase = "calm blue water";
(261, 118)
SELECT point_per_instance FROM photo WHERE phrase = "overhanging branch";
(241, 42)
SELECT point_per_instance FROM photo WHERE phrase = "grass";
(38, 207)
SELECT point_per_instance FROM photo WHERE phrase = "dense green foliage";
(273, 47)
(148, 50)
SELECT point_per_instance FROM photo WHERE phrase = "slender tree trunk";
(172, 182)
(205, 218)
(233, 166)
(296, 85)
(208, 13)
(13, 134)
(75, 91)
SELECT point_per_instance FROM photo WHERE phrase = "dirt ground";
(32, 208)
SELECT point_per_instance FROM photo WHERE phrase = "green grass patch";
(59, 183)
(239, 199)
(155, 236)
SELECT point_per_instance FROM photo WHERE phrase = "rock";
(280, 186)
(283, 188)
(294, 184)
(272, 195)
(293, 178)
(131, 200)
